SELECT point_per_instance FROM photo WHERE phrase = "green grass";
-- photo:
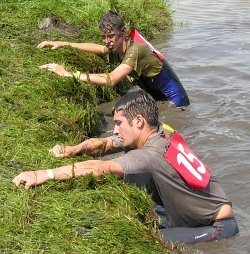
(39, 110)
(78, 216)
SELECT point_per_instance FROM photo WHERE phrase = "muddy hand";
(56, 68)
(31, 178)
(58, 151)
(53, 44)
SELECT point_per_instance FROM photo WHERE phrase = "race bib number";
(187, 163)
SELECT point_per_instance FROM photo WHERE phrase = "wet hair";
(138, 103)
(111, 20)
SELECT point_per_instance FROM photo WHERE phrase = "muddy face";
(112, 38)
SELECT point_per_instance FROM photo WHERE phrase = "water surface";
(211, 55)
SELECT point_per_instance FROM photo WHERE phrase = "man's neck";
(121, 51)
(144, 137)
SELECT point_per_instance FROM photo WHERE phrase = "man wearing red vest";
(192, 204)
(131, 56)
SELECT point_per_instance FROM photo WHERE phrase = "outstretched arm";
(92, 147)
(110, 79)
(86, 47)
(95, 167)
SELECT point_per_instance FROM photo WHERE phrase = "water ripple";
(211, 57)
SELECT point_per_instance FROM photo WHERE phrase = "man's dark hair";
(111, 20)
(138, 103)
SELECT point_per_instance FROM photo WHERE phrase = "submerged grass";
(38, 110)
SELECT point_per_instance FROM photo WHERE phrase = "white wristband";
(50, 174)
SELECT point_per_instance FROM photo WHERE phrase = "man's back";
(185, 207)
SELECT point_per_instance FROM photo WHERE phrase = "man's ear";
(140, 121)
(124, 30)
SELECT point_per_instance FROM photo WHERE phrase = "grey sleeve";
(134, 161)
(137, 169)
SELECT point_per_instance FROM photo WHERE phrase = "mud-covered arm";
(93, 147)
(80, 169)
(86, 47)
(98, 79)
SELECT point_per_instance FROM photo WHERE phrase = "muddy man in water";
(136, 61)
(190, 211)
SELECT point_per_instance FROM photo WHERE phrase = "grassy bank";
(38, 110)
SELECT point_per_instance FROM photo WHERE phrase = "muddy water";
(211, 55)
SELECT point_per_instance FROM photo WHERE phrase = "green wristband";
(78, 75)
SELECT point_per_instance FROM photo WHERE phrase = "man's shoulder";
(137, 47)
(158, 140)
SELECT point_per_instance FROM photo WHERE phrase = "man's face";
(112, 38)
(127, 133)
